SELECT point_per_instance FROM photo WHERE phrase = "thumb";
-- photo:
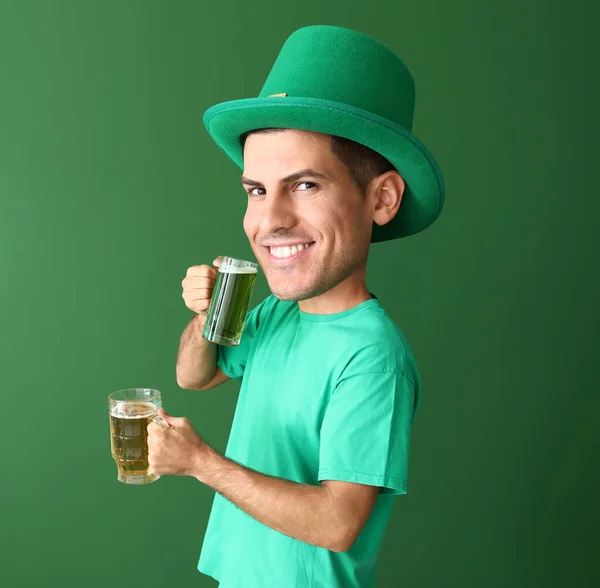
(163, 413)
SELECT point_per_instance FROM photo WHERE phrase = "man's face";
(307, 222)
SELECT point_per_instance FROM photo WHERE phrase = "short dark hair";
(362, 162)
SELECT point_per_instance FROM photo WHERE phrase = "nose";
(277, 213)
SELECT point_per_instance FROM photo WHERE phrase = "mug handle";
(160, 421)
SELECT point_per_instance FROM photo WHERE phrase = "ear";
(389, 188)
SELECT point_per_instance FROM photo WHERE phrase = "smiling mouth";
(288, 252)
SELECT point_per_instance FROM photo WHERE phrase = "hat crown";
(345, 66)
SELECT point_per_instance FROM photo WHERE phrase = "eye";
(252, 192)
(309, 184)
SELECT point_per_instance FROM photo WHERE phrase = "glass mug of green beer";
(130, 413)
(229, 302)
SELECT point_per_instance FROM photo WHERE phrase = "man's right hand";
(198, 286)
(197, 367)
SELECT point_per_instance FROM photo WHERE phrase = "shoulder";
(379, 347)
(271, 309)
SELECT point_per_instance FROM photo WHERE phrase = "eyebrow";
(303, 173)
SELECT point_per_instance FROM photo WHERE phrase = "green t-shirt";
(323, 397)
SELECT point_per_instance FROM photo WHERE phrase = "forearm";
(197, 357)
(304, 512)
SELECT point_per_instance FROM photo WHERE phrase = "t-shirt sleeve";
(233, 360)
(365, 432)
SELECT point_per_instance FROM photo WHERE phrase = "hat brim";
(423, 198)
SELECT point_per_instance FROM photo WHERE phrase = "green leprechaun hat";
(337, 81)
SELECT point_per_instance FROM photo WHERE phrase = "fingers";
(195, 283)
(201, 271)
(196, 301)
(198, 286)
(171, 420)
(157, 432)
(155, 427)
(199, 306)
(198, 293)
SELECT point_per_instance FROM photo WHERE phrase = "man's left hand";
(176, 450)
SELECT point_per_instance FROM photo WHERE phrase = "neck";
(346, 295)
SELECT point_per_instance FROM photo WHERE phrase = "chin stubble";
(325, 282)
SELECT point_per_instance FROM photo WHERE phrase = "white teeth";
(288, 251)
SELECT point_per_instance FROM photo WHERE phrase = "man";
(329, 387)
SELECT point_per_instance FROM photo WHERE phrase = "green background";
(110, 188)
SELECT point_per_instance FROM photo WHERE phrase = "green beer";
(229, 302)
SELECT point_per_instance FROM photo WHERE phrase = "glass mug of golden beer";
(130, 413)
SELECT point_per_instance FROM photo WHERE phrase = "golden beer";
(130, 413)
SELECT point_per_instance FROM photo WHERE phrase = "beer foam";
(238, 270)
(133, 410)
